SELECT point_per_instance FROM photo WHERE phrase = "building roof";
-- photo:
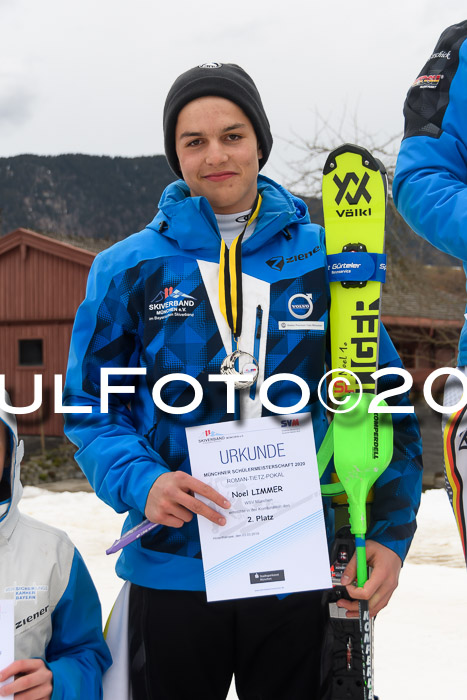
(31, 239)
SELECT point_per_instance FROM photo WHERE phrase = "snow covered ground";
(421, 638)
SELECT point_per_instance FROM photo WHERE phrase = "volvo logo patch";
(301, 305)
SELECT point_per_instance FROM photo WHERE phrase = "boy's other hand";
(172, 502)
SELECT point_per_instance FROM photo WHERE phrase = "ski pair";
(360, 440)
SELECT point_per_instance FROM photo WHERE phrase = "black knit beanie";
(219, 80)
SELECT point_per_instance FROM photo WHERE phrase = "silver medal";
(248, 373)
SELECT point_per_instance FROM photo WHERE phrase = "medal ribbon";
(230, 277)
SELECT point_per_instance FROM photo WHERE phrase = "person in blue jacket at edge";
(153, 302)
(430, 191)
(59, 650)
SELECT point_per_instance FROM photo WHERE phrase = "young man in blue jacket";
(430, 191)
(157, 302)
(60, 653)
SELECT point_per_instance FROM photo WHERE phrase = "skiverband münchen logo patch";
(170, 301)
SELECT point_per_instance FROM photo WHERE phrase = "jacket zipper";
(259, 321)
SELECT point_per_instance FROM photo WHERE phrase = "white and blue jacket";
(152, 303)
(430, 183)
(57, 611)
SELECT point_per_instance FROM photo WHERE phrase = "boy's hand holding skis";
(382, 583)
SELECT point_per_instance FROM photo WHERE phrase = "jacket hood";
(194, 224)
(10, 485)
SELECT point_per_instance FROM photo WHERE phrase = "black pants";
(184, 648)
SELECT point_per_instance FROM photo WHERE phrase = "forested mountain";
(81, 196)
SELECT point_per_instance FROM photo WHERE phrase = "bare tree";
(403, 246)
(405, 250)
(313, 152)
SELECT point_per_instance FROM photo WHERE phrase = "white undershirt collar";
(231, 226)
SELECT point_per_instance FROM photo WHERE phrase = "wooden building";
(42, 283)
(424, 315)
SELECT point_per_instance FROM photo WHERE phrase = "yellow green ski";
(354, 204)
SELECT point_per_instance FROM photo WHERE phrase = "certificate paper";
(7, 638)
(274, 541)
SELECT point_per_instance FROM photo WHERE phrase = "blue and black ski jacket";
(430, 184)
(152, 302)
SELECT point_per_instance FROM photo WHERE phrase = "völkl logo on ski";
(361, 191)
(352, 189)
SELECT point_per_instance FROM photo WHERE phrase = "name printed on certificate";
(274, 541)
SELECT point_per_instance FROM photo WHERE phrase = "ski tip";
(368, 161)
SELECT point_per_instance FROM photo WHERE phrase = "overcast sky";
(91, 76)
